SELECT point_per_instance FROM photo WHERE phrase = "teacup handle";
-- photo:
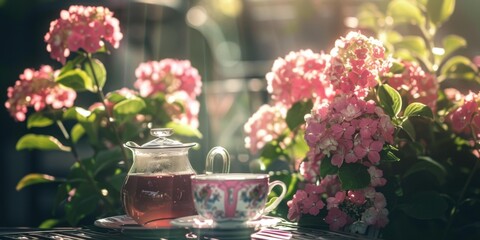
(279, 199)
(211, 158)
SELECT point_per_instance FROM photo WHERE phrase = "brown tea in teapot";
(153, 200)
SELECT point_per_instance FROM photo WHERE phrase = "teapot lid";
(162, 141)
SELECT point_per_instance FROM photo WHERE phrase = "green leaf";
(388, 154)
(72, 64)
(129, 107)
(452, 43)
(459, 67)
(426, 206)
(353, 176)
(390, 100)
(427, 164)
(117, 181)
(368, 16)
(408, 127)
(403, 11)
(96, 71)
(49, 223)
(107, 159)
(40, 142)
(77, 113)
(327, 168)
(76, 79)
(298, 147)
(415, 44)
(296, 114)
(37, 119)
(77, 132)
(418, 110)
(115, 97)
(440, 10)
(397, 67)
(393, 36)
(34, 178)
(83, 203)
(184, 129)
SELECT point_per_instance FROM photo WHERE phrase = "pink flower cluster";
(299, 76)
(82, 27)
(265, 125)
(178, 81)
(421, 86)
(39, 90)
(343, 207)
(357, 62)
(349, 130)
(466, 117)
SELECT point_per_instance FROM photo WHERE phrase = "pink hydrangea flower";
(466, 115)
(356, 63)
(376, 176)
(356, 196)
(334, 202)
(188, 114)
(307, 201)
(312, 204)
(331, 184)
(265, 125)
(295, 206)
(299, 76)
(349, 129)
(37, 89)
(421, 86)
(336, 219)
(82, 27)
(178, 81)
(168, 76)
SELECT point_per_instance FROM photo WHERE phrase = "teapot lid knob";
(161, 132)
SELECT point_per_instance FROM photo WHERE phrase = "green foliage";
(38, 120)
(40, 142)
(34, 178)
(427, 164)
(353, 176)
(403, 11)
(418, 110)
(426, 206)
(296, 114)
(76, 79)
(390, 100)
(96, 72)
(184, 130)
(440, 11)
(327, 168)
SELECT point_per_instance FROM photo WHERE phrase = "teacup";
(234, 196)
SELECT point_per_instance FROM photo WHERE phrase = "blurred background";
(232, 43)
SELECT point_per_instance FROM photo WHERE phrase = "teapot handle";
(211, 158)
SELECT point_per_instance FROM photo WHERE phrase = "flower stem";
(90, 178)
(110, 119)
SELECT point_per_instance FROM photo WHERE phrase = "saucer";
(198, 222)
(117, 222)
(127, 226)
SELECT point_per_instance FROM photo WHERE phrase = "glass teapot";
(158, 186)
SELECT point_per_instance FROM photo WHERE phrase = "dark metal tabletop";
(283, 231)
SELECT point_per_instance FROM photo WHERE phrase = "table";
(283, 231)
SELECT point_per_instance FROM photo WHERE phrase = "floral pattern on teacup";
(251, 200)
(254, 196)
(209, 197)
